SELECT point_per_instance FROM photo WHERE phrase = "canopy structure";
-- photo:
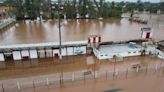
(41, 50)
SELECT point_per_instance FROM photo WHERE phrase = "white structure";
(120, 50)
(94, 39)
(125, 50)
(146, 33)
(42, 50)
(2, 58)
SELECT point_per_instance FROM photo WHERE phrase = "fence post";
(84, 77)
(61, 80)
(160, 64)
(126, 73)
(113, 73)
(116, 73)
(146, 68)
(96, 75)
(156, 67)
(47, 81)
(33, 85)
(3, 89)
(106, 74)
(18, 86)
(137, 69)
(73, 77)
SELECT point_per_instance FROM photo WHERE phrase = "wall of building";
(27, 54)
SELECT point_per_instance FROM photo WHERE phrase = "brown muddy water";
(143, 81)
(73, 30)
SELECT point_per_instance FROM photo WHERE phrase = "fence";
(61, 79)
(6, 23)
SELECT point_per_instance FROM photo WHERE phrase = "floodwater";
(151, 84)
(69, 64)
(143, 81)
(76, 30)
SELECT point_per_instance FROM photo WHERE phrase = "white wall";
(70, 51)
(145, 33)
(41, 54)
(79, 50)
(110, 55)
(55, 51)
(25, 53)
(33, 54)
(91, 39)
(49, 53)
(2, 58)
(83, 48)
(63, 52)
(17, 55)
(97, 39)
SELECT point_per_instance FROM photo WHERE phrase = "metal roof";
(43, 45)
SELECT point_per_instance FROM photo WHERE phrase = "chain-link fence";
(66, 78)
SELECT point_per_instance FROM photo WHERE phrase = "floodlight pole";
(59, 28)
(59, 36)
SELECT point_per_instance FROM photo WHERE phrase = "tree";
(31, 9)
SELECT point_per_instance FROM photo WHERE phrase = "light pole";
(60, 45)
(59, 27)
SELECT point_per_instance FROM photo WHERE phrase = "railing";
(6, 23)
(64, 78)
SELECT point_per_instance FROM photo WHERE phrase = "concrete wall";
(2, 57)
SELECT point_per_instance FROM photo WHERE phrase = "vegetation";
(31, 9)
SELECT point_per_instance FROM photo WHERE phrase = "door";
(148, 35)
